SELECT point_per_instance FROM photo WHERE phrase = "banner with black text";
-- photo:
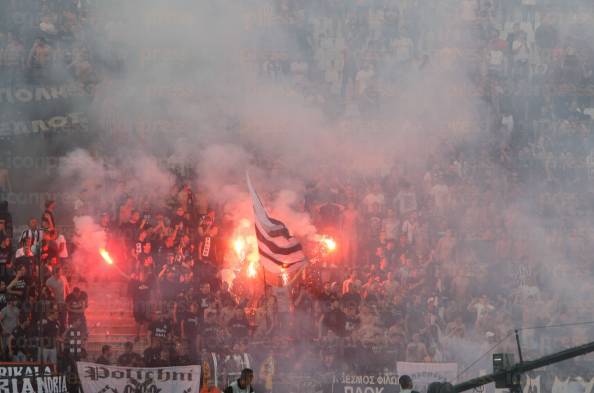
(98, 378)
(366, 384)
(30, 378)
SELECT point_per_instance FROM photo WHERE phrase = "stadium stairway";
(109, 318)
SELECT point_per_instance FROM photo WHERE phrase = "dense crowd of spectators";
(45, 42)
(431, 266)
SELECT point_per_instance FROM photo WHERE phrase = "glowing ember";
(329, 243)
(105, 255)
(251, 270)
(285, 278)
(239, 247)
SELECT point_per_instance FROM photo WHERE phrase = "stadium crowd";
(430, 264)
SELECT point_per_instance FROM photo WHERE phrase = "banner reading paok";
(98, 378)
(423, 374)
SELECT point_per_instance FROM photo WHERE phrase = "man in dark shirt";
(352, 320)
(50, 331)
(131, 229)
(141, 287)
(238, 325)
(170, 284)
(546, 35)
(302, 301)
(352, 297)
(160, 327)
(152, 355)
(76, 304)
(105, 357)
(326, 297)
(205, 272)
(6, 218)
(182, 355)
(19, 342)
(18, 286)
(130, 358)
(3, 295)
(179, 220)
(210, 332)
(190, 325)
(204, 298)
(334, 320)
(6, 256)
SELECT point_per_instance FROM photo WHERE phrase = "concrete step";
(117, 341)
(130, 329)
(102, 312)
(106, 297)
(109, 314)
(94, 349)
(109, 304)
(110, 321)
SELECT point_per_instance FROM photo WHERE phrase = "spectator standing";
(9, 317)
(6, 257)
(12, 58)
(19, 344)
(48, 222)
(19, 285)
(32, 233)
(5, 220)
(76, 304)
(50, 338)
(59, 286)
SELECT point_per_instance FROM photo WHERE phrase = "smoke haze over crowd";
(456, 135)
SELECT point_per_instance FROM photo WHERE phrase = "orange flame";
(105, 255)
(329, 243)
(239, 247)
(285, 278)
(251, 270)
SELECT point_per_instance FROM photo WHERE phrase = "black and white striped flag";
(280, 253)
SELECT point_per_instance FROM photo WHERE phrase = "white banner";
(99, 378)
(423, 374)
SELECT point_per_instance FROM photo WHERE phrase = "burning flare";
(251, 270)
(239, 247)
(105, 255)
(285, 278)
(328, 243)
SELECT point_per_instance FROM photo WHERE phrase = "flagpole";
(265, 296)
(265, 284)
